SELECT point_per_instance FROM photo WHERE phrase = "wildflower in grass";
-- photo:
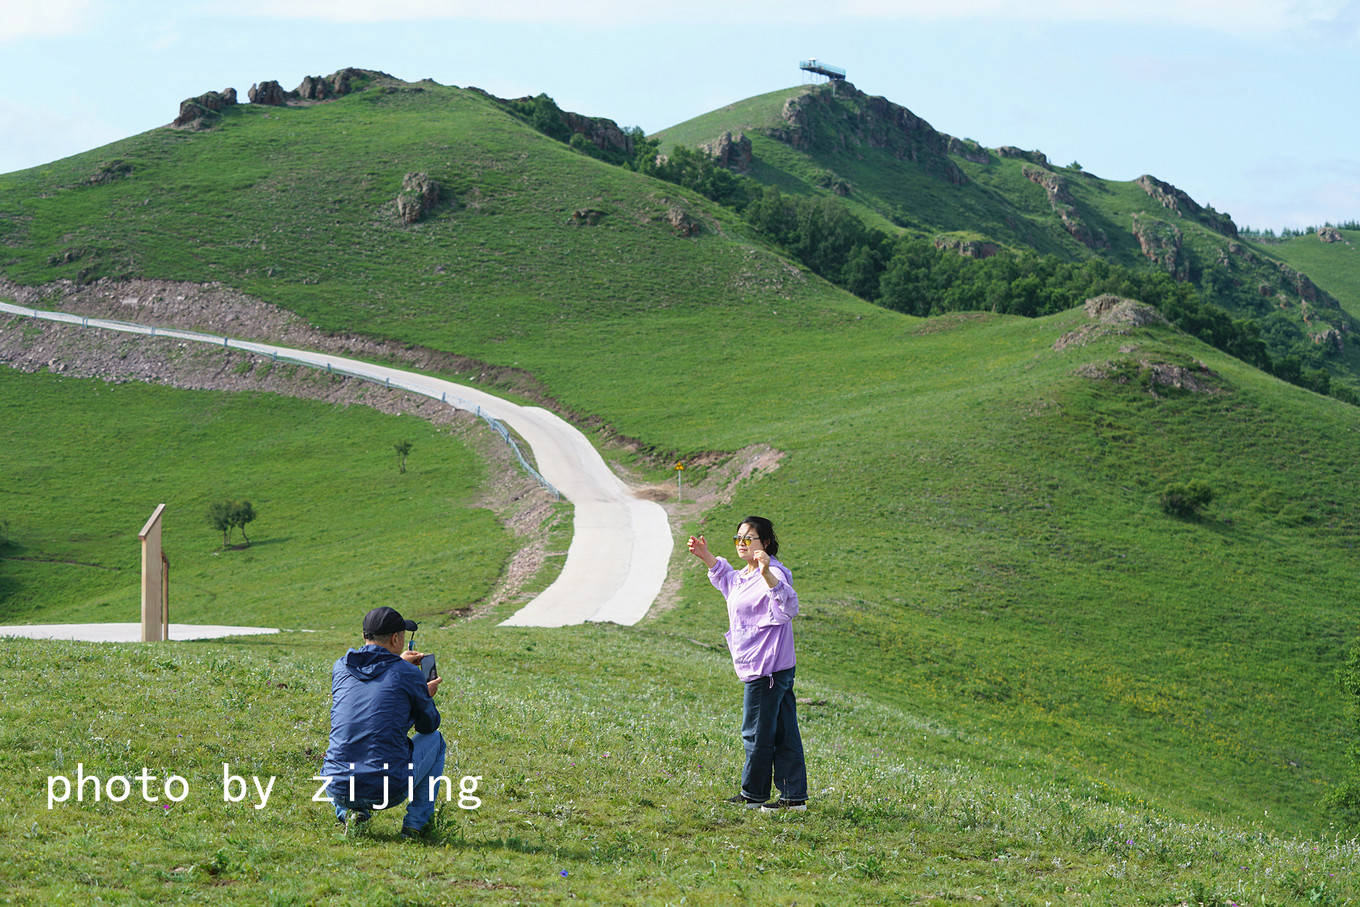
(564, 873)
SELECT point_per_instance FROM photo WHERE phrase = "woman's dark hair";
(765, 529)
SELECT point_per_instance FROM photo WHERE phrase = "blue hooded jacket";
(376, 697)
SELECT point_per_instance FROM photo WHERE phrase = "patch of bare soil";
(720, 482)
(216, 309)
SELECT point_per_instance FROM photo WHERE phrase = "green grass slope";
(1334, 265)
(971, 517)
(600, 755)
(86, 463)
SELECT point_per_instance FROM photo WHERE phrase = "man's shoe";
(410, 831)
(742, 799)
(353, 819)
(785, 806)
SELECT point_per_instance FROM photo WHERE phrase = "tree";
(242, 512)
(226, 515)
(403, 449)
(219, 517)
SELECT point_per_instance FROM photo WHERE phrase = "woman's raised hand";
(698, 547)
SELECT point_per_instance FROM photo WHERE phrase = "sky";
(1247, 105)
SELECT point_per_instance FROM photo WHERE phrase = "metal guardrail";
(274, 355)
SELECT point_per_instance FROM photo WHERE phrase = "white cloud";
(44, 18)
(1225, 16)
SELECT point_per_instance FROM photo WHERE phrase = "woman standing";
(761, 604)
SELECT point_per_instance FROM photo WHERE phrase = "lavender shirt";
(761, 635)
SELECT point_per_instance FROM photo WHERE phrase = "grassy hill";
(899, 174)
(1022, 657)
(1334, 265)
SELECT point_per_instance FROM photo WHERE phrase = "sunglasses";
(747, 539)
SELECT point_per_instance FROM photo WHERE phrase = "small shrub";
(1186, 500)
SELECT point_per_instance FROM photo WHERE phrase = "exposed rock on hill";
(1034, 157)
(108, 171)
(1155, 375)
(1330, 234)
(729, 152)
(268, 93)
(319, 88)
(969, 150)
(847, 120)
(1109, 314)
(1161, 245)
(968, 248)
(1110, 309)
(1064, 205)
(204, 111)
(418, 195)
(1331, 338)
(1175, 200)
(681, 222)
(586, 217)
(601, 132)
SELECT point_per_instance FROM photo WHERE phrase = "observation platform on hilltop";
(834, 73)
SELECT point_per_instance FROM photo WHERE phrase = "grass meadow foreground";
(600, 755)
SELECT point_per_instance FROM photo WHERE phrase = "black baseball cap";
(385, 621)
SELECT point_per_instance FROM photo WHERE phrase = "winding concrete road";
(620, 544)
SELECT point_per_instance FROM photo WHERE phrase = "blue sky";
(1248, 105)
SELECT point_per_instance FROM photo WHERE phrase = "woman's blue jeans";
(774, 748)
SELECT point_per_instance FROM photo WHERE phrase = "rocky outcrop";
(1161, 245)
(315, 88)
(601, 132)
(1175, 200)
(1110, 309)
(1034, 157)
(969, 150)
(269, 94)
(108, 171)
(1302, 285)
(841, 118)
(204, 111)
(968, 248)
(586, 217)
(1064, 205)
(1109, 314)
(1330, 338)
(418, 195)
(1330, 234)
(681, 222)
(729, 152)
(318, 88)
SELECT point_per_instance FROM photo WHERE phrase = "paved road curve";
(620, 545)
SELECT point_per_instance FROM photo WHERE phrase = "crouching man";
(377, 695)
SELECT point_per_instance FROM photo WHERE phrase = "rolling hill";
(900, 175)
(970, 505)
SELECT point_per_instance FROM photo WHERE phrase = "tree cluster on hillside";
(226, 515)
(1269, 235)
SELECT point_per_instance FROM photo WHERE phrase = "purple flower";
(564, 873)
